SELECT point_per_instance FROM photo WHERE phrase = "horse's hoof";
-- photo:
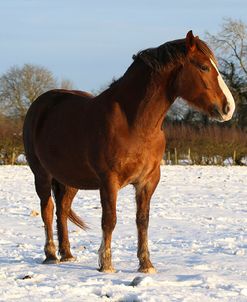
(107, 270)
(68, 259)
(147, 270)
(51, 261)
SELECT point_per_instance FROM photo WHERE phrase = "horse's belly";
(78, 180)
(75, 173)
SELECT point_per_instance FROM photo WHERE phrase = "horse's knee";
(109, 222)
(142, 221)
(113, 223)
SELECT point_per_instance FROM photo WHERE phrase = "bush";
(10, 139)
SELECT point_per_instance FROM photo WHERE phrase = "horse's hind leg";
(43, 189)
(63, 197)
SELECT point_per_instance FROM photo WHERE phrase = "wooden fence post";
(169, 157)
(13, 157)
(234, 157)
(189, 157)
(175, 156)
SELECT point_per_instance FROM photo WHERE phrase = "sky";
(91, 42)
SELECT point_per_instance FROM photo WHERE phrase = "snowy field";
(197, 235)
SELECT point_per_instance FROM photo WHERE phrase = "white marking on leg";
(227, 93)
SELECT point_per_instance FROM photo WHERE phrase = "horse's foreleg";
(43, 188)
(64, 197)
(143, 197)
(108, 195)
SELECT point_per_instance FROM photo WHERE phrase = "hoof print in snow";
(141, 281)
(26, 277)
(105, 296)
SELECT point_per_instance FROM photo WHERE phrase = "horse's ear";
(190, 41)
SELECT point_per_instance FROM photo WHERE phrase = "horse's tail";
(57, 190)
(77, 220)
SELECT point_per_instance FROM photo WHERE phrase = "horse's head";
(200, 83)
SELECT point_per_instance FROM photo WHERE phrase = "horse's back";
(51, 103)
(52, 98)
(53, 128)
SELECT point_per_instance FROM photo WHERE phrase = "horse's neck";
(143, 98)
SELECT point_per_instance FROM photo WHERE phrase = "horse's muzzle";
(216, 114)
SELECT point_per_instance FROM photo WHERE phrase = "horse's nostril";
(216, 113)
(226, 108)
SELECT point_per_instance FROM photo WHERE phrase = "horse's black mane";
(162, 55)
(167, 54)
(170, 52)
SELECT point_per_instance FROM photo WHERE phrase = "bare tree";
(66, 84)
(19, 87)
(230, 45)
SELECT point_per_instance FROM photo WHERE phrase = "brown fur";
(76, 141)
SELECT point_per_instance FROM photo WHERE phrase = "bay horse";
(74, 140)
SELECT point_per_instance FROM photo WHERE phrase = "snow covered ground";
(198, 241)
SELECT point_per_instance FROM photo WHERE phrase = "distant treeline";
(186, 143)
(10, 139)
(200, 144)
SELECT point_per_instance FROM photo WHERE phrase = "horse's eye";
(204, 67)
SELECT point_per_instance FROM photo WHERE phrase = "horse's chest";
(136, 164)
